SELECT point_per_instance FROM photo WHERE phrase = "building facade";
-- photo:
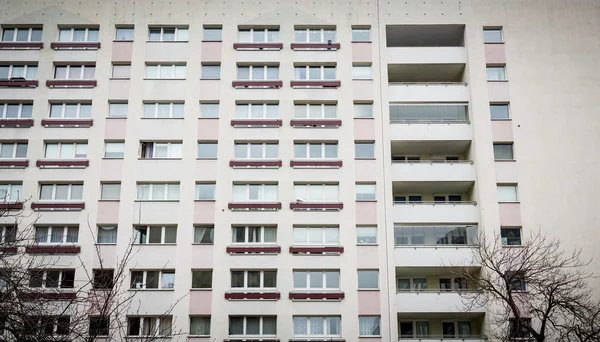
(292, 170)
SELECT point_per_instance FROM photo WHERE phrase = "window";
(22, 34)
(402, 199)
(64, 279)
(256, 111)
(74, 72)
(10, 192)
(496, 73)
(314, 72)
(368, 279)
(200, 325)
(13, 150)
(117, 110)
(315, 151)
(114, 150)
(317, 326)
(61, 192)
(56, 235)
(503, 152)
(152, 279)
(361, 34)
(201, 279)
(254, 192)
(365, 192)
(165, 71)
(492, 35)
(107, 234)
(8, 234)
(160, 150)
(211, 72)
(28, 72)
(168, 34)
(163, 110)
(205, 191)
(204, 234)
(510, 236)
(315, 111)
(254, 235)
(209, 110)
(518, 328)
(16, 110)
(258, 72)
(363, 110)
(507, 193)
(253, 279)
(516, 281)
(450, 284)
(318, 236)
(366, 235)
(314, 35)
(207, 150)
(78, 35)
(47, 325)
(110, 191)
(258, 35)
(252, 325)
(158, 192)
(149, 326)
(70, 110)
(361, 72)
(447, 198)
(369, 326)
(66, 150)
(99, 326)
(255, 150)
(499, 111)
(317, 192)
(364, 150)
(121, 71)
(124, 34)
(418, 284)
(103, 279)
(155, 234)
(212, 34)
(317, 280)
(435, 235)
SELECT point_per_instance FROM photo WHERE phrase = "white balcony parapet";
(435, 212)
(470, 338)
(428, 92)
(427, 55)
(433, 302)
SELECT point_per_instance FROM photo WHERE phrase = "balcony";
(18, 82)
(16, 123)
(324, 123)
(430, 122)
(258, 46)
(254, 206)
(316, 206)
(256, 123)
(318, 250)
(11, 205)
(252, 295)
(13, 163)
(71, 83)
(21, 45)
(58, 206)
(427, 55)
(53, 249)
(315, 84)
(425, 35)
(75, 45)
(265, 249)
(257, 84)
(317, 296)
(63, 164)
(71, 123)
(431, 301)
(255, 164)
(421, 327)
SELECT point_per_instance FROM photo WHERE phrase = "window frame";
(362, 271)
(175, 34)
(8, 233)
(165, 192)
(358, 31)
(322, 274)
(516, 193)
(210, 229)
(215, 29)
(69, 192)
(377, 328)
(44, 278)
(325, 324)
(173, 73)
(321, 72)
(59, 149)
(102, 190)
(246, 286)
(156, 111)
(358, 242)
(245, 325)
(214, 191)
(512, 151)
(248, 233)
(118, 66)
(356, 75)
(323, 145)
(203, 71)
(251, 35)
(160, 286)
(11, 189)
(322, 35)
(85, 37)
(323, 199)
(202, 287)
(204, 317)
(371, 196)
(360, 104)
(155, 321)
(50, 232)
(106, 143)
(15, 148)
(78, 113)
(208, 114)
(82, 72)
(4, 110)
(250, 145)
(114, 104)
(101, 227)
(265, 110)
(507, 230)
(151, 146)
(117, 28)
(25, 67)
(364, 143)
(251, 69)
(296, 230)
(16, 32)
(495, 67)
(307, 112)
(208, 144)
(137, 235)
(103, 279)
(508, 116)
(103, 326)
(493, 29)
(261, 192)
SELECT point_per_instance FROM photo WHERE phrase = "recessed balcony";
(427, 83)
(423, 327)
(430, 121)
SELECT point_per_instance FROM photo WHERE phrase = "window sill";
(202, 244)
(371, 118)
(361, 41)
(124, 40)
(208, 118)
(153, 290)
(137, 200)
(167, 41)
(201, 290)
(210, 79)
(504, 160)
(154, 244)
(162, 118)
(205, 200)
(119, 78)
(374, 200)
(517, 202)
(105, 244)
(109, 200)
(512, 246)
(507, 119)
(116, 118)
(369, 336)
(159, 158)
(114, 158)
(212, 41)
(206, 158)
(164, 79)
(362, 79)
(494, 43)
(364, 158)
(371, 290)
(367, 244)
(498, 81)
(198, 336)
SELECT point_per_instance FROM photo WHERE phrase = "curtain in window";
(300, 326)
(79, 35)
(333, 325)
(209, 110)
(495, 74)
(93, 35)
(270, 193)
(422, 329)
(316, 326)
(31, 72)
(107, 234)
(165, 326)
(200, 326)
(270, 234)
(368, 326)
(173, 192)
(269, 326)
(239, 193)
(41, 234)
(64, 35)
(273, 35)
(200, 234)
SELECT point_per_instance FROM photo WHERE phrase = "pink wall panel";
(369, 303)
(114, 129)
(363, 90)
(367, 257)
(200, 302)
(502, 131)
(202, 256)
(108, 254)
(364, 170)
(209, 90)
(366, 213)
(362, 52)
(204, 212)
(108, 212)
(122, 51)
(364, 129)
(112, 169)
(510, 214)
(211, 52)
(494, 54)
(208, 129)
(498, 91)
(506, 172)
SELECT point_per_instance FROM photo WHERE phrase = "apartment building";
(298, 170)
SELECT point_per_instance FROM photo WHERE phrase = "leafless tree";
(535, 291)
(94, 309)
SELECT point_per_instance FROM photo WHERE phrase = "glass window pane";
(300, 235)
(258, 73)
(315, 150)
(167, 71)
(21, 151)
(36, 35)
(363, 110)
(151, 71)
(26, 111)
(496, 73)
(207, 150)
(76, 192)
(361, 72)
(314, 73)
(329, 73)
(314, 36)
(211, 72)
(89, 72)
(244, 36)
(492, 36)
(168, 34)
(212, 34)
(271, 151)
(499, 111)
(300, 280)
(332, 235)
(273, 36)
(332, 280)
(300, 151)
(64, 35)
(8, 35)
(272, 73)
(300, 73)
(75, 72)
(329, 35)
(315, 193)
(51, 151)
(316, 280)
(300, 36)
(46, 192)
(317, 326)
(361, 35)
(331, 150)
(364, 150)
(507, 193)
(23, 35)
(158, 191)
(252, 325)
(258, 36)
(366, 235)
(368, 279)
(124, 34)
(180, 71)
(209, 110)
(315, 236)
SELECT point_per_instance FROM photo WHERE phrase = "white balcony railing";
(433, 302)
(435, 212)
(433, 170)
(428, 92)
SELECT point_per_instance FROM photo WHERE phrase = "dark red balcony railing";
(17, 123)
(11, 205)
(17, 164)
(315, 46)
(252, 295)
(257, 123)
(71, 83)
(315, 250)
(58, 206)
(75, 45)
(255, 206)
(67, 122)
(53, 249)
(22, 45)
(317, 295)
(315, 84)
(253, 250)
(322, 206)
(49, 295)
(74, 163)
(258, 46)
(19, 83)
(255, 163)
(316, 163)
(257, 84)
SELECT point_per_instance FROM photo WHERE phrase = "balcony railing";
(441, 161)
(435, 235)
(429, 113)
(465, 338)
